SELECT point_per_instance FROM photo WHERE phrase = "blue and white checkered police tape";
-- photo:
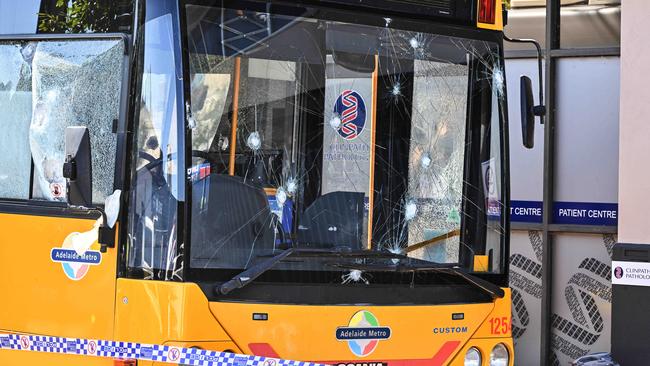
(137, 351)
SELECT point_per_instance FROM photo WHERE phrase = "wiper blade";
(252, 273)
(249, 275)
(488, 287)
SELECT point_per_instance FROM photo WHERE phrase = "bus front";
(345, 183)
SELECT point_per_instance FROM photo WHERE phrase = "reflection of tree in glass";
(84, 16)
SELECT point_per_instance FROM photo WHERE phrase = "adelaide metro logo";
(363, 333)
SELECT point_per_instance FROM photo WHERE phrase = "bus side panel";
(159, 312)
(44, 297)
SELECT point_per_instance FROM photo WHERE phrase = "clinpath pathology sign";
(630, 273)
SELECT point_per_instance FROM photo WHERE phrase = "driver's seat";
(232, 223)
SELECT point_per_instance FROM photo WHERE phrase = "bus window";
(45, 90)
(340, 136)
(436, 157)
(15, 117)
(157, 175)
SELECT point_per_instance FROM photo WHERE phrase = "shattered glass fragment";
(414, 43)
(292, 186)
(335, 121)
(395, 248)
(396, 90)
(498, 80)
(281, 196)
(354, 275)
(410, 210)
(425, 161)
(254, 141)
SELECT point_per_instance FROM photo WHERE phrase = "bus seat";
(231, 223)
(333, 220)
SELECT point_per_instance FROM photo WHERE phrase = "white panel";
(587, 129)
(634, 128)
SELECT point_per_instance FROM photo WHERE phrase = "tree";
(83, 16)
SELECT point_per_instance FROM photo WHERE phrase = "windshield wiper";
(246, 277)
(488, 287)
(249, 275)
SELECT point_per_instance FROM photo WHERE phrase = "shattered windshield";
(313, 133)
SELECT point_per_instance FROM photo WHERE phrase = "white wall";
(634, 153)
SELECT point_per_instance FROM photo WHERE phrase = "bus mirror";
(527, 112)
(77, 168)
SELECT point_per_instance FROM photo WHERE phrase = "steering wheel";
(152, 160)
(201, 154)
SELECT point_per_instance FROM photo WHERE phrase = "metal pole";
(371, 188)
(552, 43)
(235, 117)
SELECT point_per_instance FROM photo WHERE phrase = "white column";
(634, 150)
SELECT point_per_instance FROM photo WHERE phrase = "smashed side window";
(15, 116)
(75, 83)
(49, 86)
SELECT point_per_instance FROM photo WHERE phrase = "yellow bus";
(321, 181)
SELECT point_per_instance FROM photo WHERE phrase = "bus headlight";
(473, 357)
(499, 356)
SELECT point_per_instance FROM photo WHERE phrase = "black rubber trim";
(66, 37)
(46, 208)
(351, 294)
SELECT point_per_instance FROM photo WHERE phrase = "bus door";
(54, 278)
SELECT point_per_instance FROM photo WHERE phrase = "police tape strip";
(137, 351)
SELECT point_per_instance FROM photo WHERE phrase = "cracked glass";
(43, 90)
(372, 136)
(16, 108)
